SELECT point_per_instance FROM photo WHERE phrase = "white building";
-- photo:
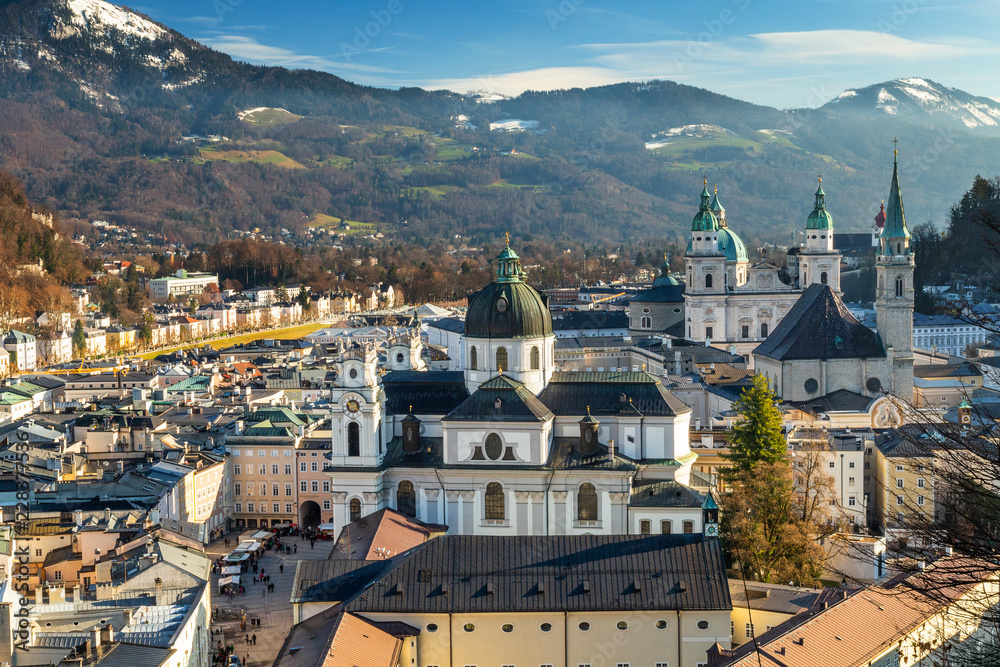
(182, 284)
(21, 349)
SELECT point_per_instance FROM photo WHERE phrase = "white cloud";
(249, 49)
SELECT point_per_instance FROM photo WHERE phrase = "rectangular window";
(274, 490)
(850, 481)
(326, 504)
(288, 489)
(852, 501)
(899, 482)
(263, 469)
(326, 487)
(58, 575)
(237, 489)
(732, 629)
(288, 508)
(665, 527)
(832, 464)
(661, 664)
(899, 467)
(708, 332)
(249, 452)
(644, 527)
(236, 468)
(920, 483)
(315, 486)
(303, 486)
(899, 518)
(288, 469)
(315, 466)
(899, 500)
(236, 452)
(239, 507)
(274, 468)
(748, 631)
(302, 466)
(250, 507)
(920, 468)
(920, 500)
(263, 488)
(688, 527)
(274, 453)
(851, 465)
(745, 331)
(38, 552)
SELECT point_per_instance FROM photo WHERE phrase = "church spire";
(509, 265)
(705, 220)
(820, 218)
(894, 231)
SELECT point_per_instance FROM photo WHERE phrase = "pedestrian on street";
(254, 640)
(281, 568)
(296, 549)
(248, 640)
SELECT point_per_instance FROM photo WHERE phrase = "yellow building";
(759, 607)
(903, 481)
(563, 601)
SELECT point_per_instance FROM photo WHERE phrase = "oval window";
(432, 627)
(661, 624)
(469, 627)
(353, 373)
(623, 625)
(703, 625)
(399, 357)
(507, 627)
(545, 627)
(585, 626)
(501, 305)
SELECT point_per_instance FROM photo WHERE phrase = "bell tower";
(894, 291)
(705, 264)
(819, 262)
(359, 438)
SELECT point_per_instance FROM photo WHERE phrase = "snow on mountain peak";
(92, 15)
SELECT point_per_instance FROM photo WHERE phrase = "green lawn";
(219, 343)
(259, 156)
(436, 190)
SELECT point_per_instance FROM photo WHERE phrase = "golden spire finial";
(820, 177)
(895, 146)
(716, 188)
(507, 234)
(411, 408)
(705, 180)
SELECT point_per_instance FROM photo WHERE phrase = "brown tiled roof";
(385, 529)
(338, 639)
(866, 625)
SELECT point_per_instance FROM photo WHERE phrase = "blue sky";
(776, 52)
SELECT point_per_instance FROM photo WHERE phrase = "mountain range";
(110, 115)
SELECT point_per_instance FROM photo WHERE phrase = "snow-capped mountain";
(923, 101)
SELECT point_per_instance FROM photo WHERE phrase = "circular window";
(677, 310)
(811, 385)
(874, 384)
(703, 625)
(353, 373)
(494, 446)
(501, 305)
(469, 627)
(507, 627)
(545, 627)
(48, 624)
(645, 310)
(585, 626)
(623, 625)
(399, 357)
(661, 624)
(432, 627)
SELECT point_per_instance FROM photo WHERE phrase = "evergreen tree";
(79, 339)
(757, 436)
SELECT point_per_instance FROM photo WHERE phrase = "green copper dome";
(704, 219)
(732, 246)
(664, 278)
(820, 218)
(508, 307)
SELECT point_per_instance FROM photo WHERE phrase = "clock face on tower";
(353, 406)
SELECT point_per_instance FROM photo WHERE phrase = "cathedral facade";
(733, 305)
(508, 445)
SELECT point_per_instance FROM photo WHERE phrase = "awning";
(230, 569)
(249, 545)
(262, 535)
(327, 527)
(225, 581)
(237, 557)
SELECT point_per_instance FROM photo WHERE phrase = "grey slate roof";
(457, 574)
(819, 326)
(516, 404)
(571, 393)
(666, 494)
(429, 392)
(835, 401)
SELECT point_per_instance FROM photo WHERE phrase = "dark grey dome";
(508, 307)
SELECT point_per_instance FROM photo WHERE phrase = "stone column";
(619, 510)
(431, 503)
(521, 514)
(559, 523)
(341, 514)
(468, 517)
(452, 518)
(537, 512)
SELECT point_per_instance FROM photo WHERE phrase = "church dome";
(732, 246)
(508, 307)
(704, 220)
(820, 218)
(665, 279)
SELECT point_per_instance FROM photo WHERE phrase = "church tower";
(894, 291)
(819, 262)
(359, 438)
(705, 265)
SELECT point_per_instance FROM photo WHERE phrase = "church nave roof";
(610, 393)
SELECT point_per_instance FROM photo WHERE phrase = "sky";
(782, 53)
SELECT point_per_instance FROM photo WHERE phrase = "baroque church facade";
(509, 445)
(733, 305)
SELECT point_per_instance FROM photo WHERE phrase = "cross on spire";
(895, 146)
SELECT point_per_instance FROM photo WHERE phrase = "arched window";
(473, 359)
(354, 439)
(502, 358)
(647, 322)
(494, 502)
(688, 527)
(708, 281)
(899, 248)
(822, 277)
(763, 329)
(355, 509)
(899, 286)
(586, 508)
(536, 358)
(406, 499)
